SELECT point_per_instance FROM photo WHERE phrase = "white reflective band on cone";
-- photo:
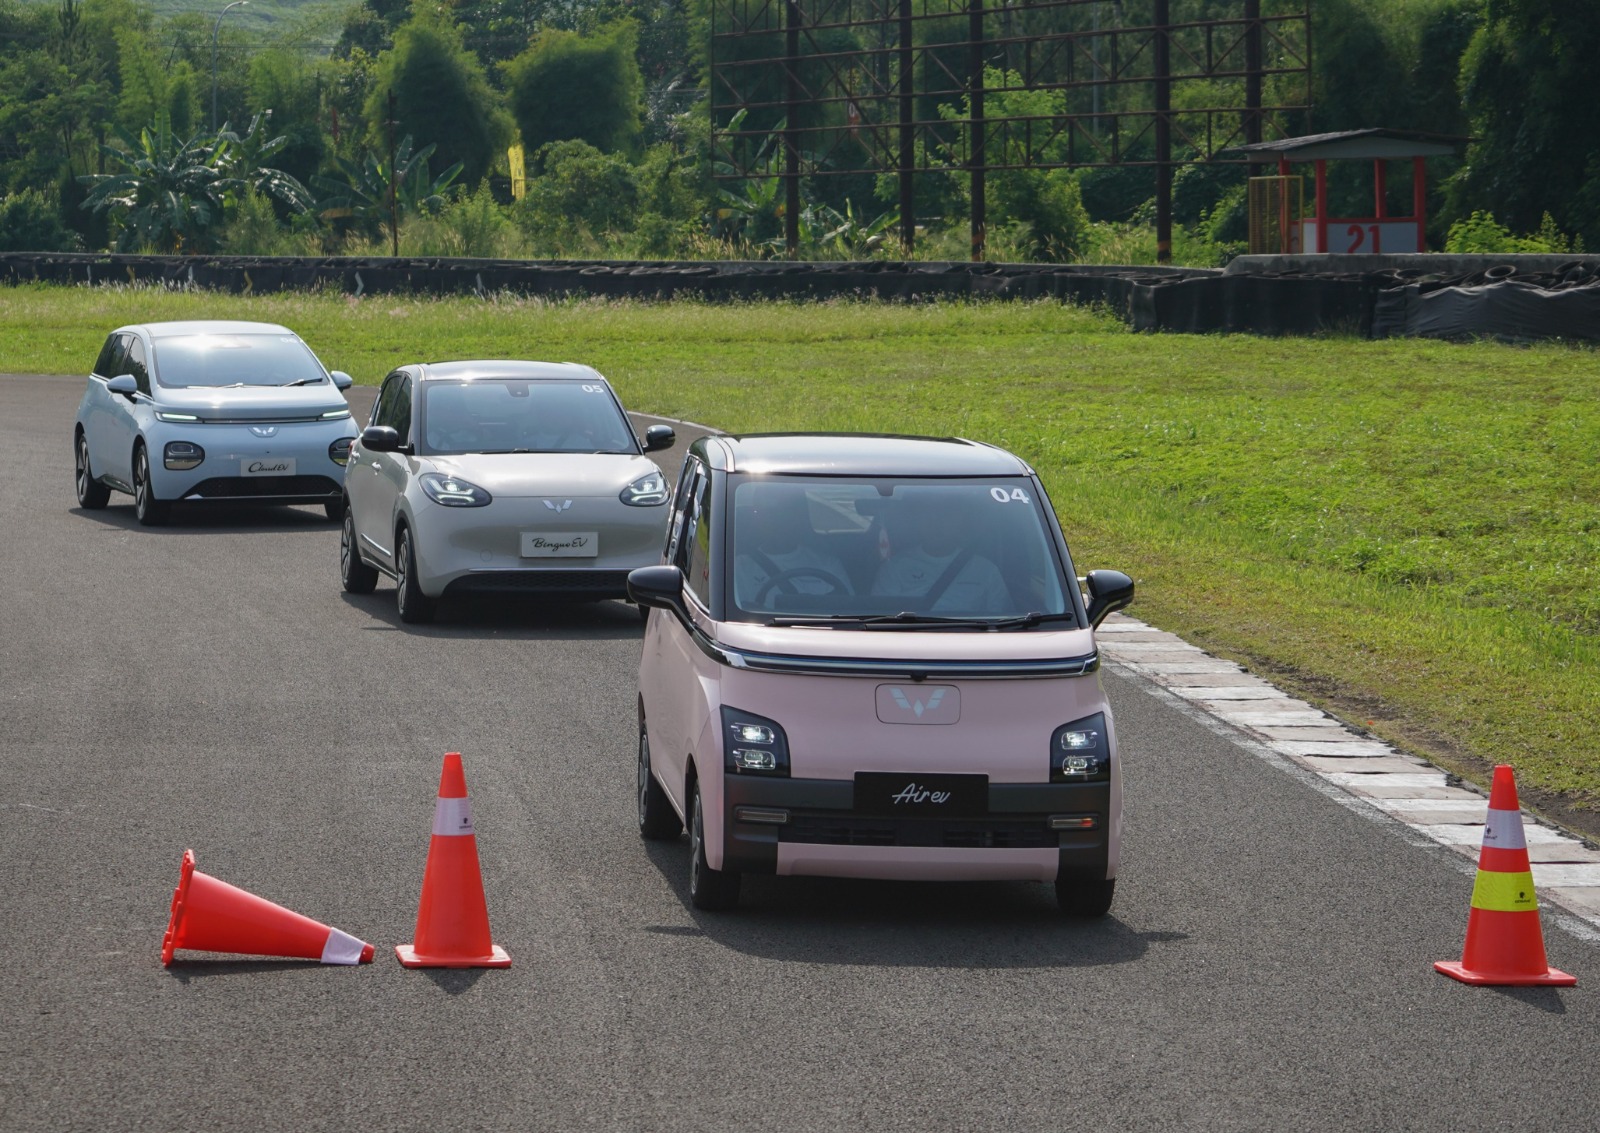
(342, 948)
(453, 816)
(1503, 830)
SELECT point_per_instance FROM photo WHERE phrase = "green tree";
(30, 221)
(567, 86)
(143, 87)
(1527, 81)
(440, 96)
(281, 81)
(581, 186)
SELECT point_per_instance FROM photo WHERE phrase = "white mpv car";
(211, 412)
(496, 476)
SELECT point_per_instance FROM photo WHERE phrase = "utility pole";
(394, 204)
(1162, 21)
(975, 155)
(791, 133)
(215, 31)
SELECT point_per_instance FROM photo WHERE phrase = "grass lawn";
(1404, 532)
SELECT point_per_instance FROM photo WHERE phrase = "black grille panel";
(977, 833)
(605, 582)
(248, 487)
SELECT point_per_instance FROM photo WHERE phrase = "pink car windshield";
(877, 548)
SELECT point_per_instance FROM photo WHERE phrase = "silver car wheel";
(148, 510)
(91, 493)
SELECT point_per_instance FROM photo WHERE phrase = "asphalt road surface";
(1267, 965)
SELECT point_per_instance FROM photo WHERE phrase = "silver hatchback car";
(500, 476)
(211, 412)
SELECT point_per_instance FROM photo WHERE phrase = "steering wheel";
(836, 585)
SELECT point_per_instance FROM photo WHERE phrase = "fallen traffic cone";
(452, 919)
(1505, 947)
(212, 916)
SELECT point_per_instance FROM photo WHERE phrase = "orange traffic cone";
(1505, 947)
(452, 920)
(212, 916)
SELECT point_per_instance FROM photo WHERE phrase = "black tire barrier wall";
(1518, 298)
(715, 280)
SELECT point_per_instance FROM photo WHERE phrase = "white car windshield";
(488, 415)
(221, 360)
(894, 552)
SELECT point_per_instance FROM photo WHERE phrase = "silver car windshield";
(487, 415)
(895, 553)
(220, 360)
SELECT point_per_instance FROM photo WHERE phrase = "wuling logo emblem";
(917, 707)
(558, 507)
(264, 430)
(919, 704)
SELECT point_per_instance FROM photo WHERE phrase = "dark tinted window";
(135, 364)
(697, 542)
(402, 409)
(521, 415)
(848, 546)
(385, 411)
(111, 356)
(677, 546)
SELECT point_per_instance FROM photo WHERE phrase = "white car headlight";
(452, 491)
(649, 490)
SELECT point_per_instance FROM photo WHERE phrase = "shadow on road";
(213, 519)
(530, 619)
(1546, 999)
(454, 981)
(976, 925)
(184, 971)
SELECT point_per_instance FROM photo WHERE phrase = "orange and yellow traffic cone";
(453, 919)
(1505, 946)
(212, 916)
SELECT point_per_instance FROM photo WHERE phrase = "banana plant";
(362, 192)
(173, 192)
(756, 209)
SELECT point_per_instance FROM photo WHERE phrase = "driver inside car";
(451, 427)
(776, 551)
(933, 564)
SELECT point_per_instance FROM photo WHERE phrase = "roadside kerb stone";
(1225, 692)
(1388, 785)
(1176, 667)
(1408, 789)
(1461, 833)
(1202, 680)
(1562, 875)
(1582, 900)
(1344, 748)
(1254, 714)
(1319, 731)
(1362, 764)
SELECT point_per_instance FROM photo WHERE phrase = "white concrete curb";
(1402, 787)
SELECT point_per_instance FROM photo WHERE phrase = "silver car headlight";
(452, 491)
(182, 455)
(649, 490)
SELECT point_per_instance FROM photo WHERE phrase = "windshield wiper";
(301, 382)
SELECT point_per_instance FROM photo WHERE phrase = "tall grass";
(1403, 531)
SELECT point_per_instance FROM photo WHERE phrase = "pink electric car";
(868, 656)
